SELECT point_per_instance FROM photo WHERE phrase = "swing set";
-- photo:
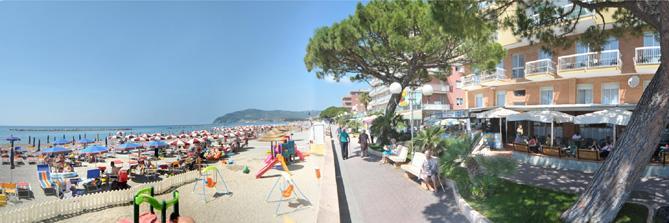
(287, 187)
(146, 195)
(209, 178)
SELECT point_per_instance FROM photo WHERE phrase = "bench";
(401, 157)
(416, 165)
(552, 151)
(521, 148)
(586, 154)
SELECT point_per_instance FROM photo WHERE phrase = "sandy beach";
(245, 204)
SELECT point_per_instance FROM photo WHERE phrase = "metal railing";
(496, 75)
(542, 66)
(606, 58)
(647, 55)
(536, 18)
(471, 80)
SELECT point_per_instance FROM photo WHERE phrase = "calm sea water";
(93, 132)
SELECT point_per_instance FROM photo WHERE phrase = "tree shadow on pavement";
(445, 210)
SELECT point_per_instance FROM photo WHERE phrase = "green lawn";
(513, 202)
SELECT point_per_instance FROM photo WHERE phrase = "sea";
(100, 132)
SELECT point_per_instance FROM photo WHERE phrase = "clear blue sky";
(120, 63)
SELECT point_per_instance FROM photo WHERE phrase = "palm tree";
(430, 139)
(364, 99)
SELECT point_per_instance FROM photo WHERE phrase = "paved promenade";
(381, 193)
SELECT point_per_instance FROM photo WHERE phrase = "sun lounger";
(32, 160)
(9, 189)
(24, 190)
(5, 160)
(45, 182)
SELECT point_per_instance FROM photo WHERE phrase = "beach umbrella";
(61, 141)
(39, 144)
(177, 143)
(73, 141)
(106, 142)
(127, 146)
(55, 150)
(29, 140)
(94, 149)
(157, 144)
(79, 137)
(47, 139)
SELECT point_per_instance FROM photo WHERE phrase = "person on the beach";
(389, 150)
(428, 172)
(363, 140)
(343, 140)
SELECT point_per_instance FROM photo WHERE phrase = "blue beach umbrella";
(85, 141)
(61, 141)
(157, 144)
(129, 146)
(94, 149)
(55, 150)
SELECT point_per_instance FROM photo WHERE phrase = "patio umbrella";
(129, 146)
(61, 142)
(94, 149)
(545, 116)
(607, 116)
(498, 113)
(178, 143)
(56, 150)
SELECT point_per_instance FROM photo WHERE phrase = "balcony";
(540, 70)
(592, 64)
(471, 82)
(436, 107)
(647, 59)
(493, 78)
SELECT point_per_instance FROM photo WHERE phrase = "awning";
(496, 113)
(607, 116)
(542, 116)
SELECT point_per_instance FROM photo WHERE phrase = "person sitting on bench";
(533, 144)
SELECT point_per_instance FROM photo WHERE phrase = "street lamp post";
(427, 90)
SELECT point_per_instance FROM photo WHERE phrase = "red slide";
(267, 167)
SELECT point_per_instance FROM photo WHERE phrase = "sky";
(159, 63)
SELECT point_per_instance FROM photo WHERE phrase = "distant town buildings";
(352, 101)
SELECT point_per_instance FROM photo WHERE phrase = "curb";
(466, 210)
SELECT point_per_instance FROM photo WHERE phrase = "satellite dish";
(633, 81)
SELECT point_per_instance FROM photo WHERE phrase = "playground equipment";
(271, 162)
(287, 187)
(209, 178)
(145, 195)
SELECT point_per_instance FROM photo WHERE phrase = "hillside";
(257, 115)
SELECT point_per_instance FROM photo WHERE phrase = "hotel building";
(352, 101)
(574, 80)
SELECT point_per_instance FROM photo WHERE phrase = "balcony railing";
(496, 75)
(565, 8)
(471, 80)
(647, 55)
(543, 66)
(607, 58)
(439, 107)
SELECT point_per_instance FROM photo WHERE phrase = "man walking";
(363, 140)
(343, 140)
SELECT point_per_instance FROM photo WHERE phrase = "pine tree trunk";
(390, 112)
(614, 180)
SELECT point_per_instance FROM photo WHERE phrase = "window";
(651, 39)
(518, 61)
(479, 100)
(584, 94)
(546, 95)
(609, 55)
(610, 93)
(501, 98)
(459, 101)
(545, 54)
(519, 93)
(581, 60)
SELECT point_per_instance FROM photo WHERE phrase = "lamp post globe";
(395, 88)
(427, 90)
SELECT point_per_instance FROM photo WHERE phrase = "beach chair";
(24, 190)
(32, 159)
(5, 159)
(93, 182)
(9, 190)
(45, 182)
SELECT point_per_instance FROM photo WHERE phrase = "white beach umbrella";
(498, 113)
(607, 116)
(545, 116)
